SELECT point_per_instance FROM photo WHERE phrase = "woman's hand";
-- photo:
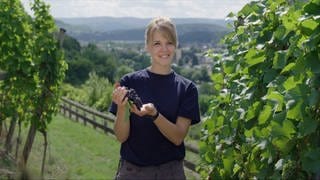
(121, 126)
(118, 96)
(146, 110)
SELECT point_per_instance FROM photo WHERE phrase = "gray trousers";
(171, 170)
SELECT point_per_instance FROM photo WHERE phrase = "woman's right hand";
(118, 96)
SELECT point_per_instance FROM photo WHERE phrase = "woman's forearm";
(121, 125)
(173, 132)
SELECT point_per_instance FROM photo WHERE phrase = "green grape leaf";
(280, 33)
(254, 57)
(265, 114)
(276, 97)
(280, 59)
(311, 160)
(294, 112)
(290, 83)
(313, 61)
(307, 126)
(286, 129)
(228, 161)
(312, 7)
(288, 67)
(308, 26)
(314, 97)
(253, 110)
(283, 144)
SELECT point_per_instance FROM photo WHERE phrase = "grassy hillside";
(76, 152)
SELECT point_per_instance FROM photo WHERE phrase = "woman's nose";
(164, 47)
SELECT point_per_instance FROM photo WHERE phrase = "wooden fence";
(99, 120)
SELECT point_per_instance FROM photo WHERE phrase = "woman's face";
(161, 49)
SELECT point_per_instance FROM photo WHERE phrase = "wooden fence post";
(105, 124)
(94, 120)
(77, 117)
(64, 108)
(84, 119)
(70, 108)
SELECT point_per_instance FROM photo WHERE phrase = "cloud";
(144, 8)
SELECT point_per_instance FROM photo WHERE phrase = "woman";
(152, 137)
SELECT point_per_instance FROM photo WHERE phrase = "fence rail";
(74, 110)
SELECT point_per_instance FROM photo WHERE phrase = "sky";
(217, 9)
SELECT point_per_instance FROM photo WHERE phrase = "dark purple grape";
(134, 98)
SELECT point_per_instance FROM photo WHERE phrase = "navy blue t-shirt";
(173, 96)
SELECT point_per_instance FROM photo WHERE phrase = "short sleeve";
(189, 107)
(113, 106)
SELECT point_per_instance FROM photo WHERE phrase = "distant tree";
(204, 103)
(95, 92)
(204, 74)
(187, 72)
(133, 59)
(104, 62)
(122, 70)
(72, 48)
(141, 61)
(206, 88)
(78, 71)
(196, 76)
(189, 57)
(71, 43)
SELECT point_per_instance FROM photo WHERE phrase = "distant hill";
(103, 24)
(132, 29)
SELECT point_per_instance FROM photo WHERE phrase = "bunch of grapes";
(289, 170)
(133, 98)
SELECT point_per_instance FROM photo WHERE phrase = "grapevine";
(35, 67)
(266, 107)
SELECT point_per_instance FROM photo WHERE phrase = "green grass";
(77, 152)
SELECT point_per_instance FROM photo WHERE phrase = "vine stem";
(45, 144)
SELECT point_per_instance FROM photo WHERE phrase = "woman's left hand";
(146, 110)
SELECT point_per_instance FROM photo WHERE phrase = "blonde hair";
(165, 26)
